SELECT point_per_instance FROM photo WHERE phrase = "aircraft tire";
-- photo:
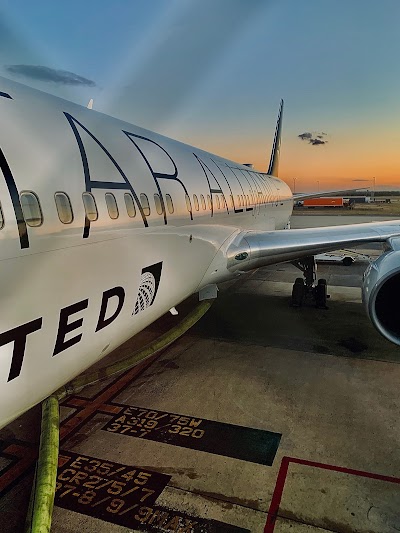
(321, 294)
(298, 293)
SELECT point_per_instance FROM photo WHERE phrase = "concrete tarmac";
(262, 417)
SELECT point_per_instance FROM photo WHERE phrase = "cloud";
(305, 136)
(42, 73)
(315, 139)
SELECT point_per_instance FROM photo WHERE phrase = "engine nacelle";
(381, 294)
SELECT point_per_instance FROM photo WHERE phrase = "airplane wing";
(252, 249)
(323, 194)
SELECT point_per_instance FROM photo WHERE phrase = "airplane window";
(239, 204)
(31, 209)
(217, 200)
(223, 201)
(64, 208)
(157, 201)
(170, 204)
(203, 202)
(130, 205)
(209, 201)
(145, 204)
(90, 206)
(242, 199)
(188, 204)
(112, 206)
(196, 202)
(248, 200)
(232, 202)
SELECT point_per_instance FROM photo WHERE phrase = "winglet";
(90, 104)
(276, 147)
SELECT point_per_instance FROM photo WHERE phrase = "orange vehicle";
(323, 202)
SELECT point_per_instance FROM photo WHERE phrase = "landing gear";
(307, 288)
(320, 294)
(298, 292)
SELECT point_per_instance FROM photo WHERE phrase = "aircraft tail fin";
(276, 147)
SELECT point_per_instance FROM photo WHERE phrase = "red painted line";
(76, 403)
(281, 479)
(26, 459)
(351, 471)
(70, 424)
(277, 496)
(27, 456)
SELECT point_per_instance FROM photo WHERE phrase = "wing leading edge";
(252, 249)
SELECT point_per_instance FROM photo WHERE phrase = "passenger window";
(145, 204)
(217, 200)
(188, 204)
(90, 206)
(203, 202)
(1, 218)
(130, 205)
(64, 208)
(112, 206)
(170, 204)
(209, 202)
(31, 209)
(196, 202)
(157, 201)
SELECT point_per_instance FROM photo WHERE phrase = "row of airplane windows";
(33, 215)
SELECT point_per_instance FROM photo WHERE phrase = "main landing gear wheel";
(298, 292)
(307, 287)
(320, 294)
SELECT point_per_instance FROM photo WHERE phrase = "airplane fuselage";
(106, 226)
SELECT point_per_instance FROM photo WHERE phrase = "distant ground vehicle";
(323, 202)
(336, 257)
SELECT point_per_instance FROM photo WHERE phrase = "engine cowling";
(381, 294)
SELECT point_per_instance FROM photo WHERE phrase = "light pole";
(318, 185)
(373, 197)
(294, 185)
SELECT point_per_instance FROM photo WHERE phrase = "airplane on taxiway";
(105, 226)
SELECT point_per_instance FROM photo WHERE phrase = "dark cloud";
(305, 136)
(314, 139)
(41, 73)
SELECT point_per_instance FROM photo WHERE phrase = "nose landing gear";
(306, 287)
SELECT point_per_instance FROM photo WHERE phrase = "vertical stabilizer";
(276, 147)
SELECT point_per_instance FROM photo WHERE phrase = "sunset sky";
(212, 72)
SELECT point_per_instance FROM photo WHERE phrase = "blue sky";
(212, 72)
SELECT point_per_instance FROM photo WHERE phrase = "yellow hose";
(43, 491)
(41, 504)
(150, 349)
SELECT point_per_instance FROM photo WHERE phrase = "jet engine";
(381, 294)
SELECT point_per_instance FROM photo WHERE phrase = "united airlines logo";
(148, 287)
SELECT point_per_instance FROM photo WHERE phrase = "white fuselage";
(69, 292)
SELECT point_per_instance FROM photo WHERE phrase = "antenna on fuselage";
(276, 147)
